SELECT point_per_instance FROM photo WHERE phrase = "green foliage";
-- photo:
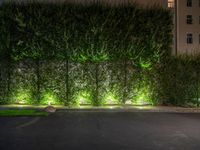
(74, 54)
(180, 80)
(21, 113)
(83, 97)
(21, 96)
(93, 33)
(176, 77)
(143, 94)
(49, 98)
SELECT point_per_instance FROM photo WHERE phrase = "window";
(171, 3)
(189, 19)
(189, 3)
(189, 38)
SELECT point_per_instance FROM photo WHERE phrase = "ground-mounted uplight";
(49, 98)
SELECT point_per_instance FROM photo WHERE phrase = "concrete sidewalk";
(126, 108)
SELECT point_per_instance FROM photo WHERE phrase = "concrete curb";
(182, 110)
(153, 109)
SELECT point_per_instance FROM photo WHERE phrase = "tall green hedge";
(85, 33)
(59, 53)
(180, 81)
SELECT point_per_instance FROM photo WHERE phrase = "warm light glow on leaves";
(110, 99)
(83, 97)
(49, 98)
(22, 96)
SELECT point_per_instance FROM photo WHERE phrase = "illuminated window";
(189, 19)
(189, 3)
(189, 38)
(170, 3)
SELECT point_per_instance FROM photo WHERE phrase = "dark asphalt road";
(101, 131)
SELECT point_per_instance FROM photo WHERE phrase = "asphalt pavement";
(102, 131)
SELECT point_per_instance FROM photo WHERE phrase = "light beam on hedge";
(110, 98)
(49, 98)
(22, 97)
(83, 98)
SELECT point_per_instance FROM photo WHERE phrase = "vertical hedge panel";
(22, 83)
(52, 81)
(3, 82)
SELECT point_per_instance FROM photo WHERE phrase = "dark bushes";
(180, 80)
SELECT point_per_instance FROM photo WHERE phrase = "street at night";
(102, 131)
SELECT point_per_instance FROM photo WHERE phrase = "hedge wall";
(180, 80)
(73, 54)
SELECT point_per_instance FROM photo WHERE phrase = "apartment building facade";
(186, 26)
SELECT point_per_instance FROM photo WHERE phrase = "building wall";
(183, 28)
